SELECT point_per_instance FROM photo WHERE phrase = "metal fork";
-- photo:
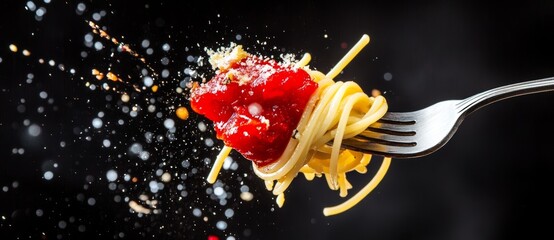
(421, 132)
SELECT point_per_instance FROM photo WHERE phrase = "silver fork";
(421, 132)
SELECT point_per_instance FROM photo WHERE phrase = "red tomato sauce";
(255, 106)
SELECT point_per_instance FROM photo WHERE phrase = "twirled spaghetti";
(335, 111)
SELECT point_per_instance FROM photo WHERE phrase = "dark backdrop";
(57, 163)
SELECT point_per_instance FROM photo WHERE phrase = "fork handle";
(470, 104)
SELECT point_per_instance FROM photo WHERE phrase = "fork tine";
(393, 128)
(379, 148)
(391, 135)
(399, 117)
(370, 135)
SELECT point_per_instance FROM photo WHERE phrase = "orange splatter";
(182, 113)
(112, 76)
(375, 93)
(97, 74)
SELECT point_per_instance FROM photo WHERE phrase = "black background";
(492, 180)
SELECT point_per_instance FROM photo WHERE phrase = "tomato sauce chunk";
(255, 105)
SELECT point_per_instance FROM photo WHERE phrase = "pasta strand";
(336, 111)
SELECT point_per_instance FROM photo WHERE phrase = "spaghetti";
(334, 111)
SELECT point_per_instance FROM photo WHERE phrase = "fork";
(422, 132)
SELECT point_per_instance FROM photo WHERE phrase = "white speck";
(48, 175)
(39, 212)
(136, 148)
(88, 38)
(255, 109)
(197, 212)
(165, 73)
(111, 175)
(98, 46)
(40, 12)
(244, 188)
(221, 225)
(43, 95)
(169, 123)
(387, 76)
(81, 7)
(202, 127)
(62, 224)
(145, 43)
(91, 201)
(97, 123)
(153, 186)
(209, 142)
(34, 130)
(234, 166)
(148, 81)
(227, 163)
(96, 16)
(165, 47)
(144, 155)
(218, 191)
(106, 143)
(31, 6)
(21, 108)
(229, 213)
(185, 163)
